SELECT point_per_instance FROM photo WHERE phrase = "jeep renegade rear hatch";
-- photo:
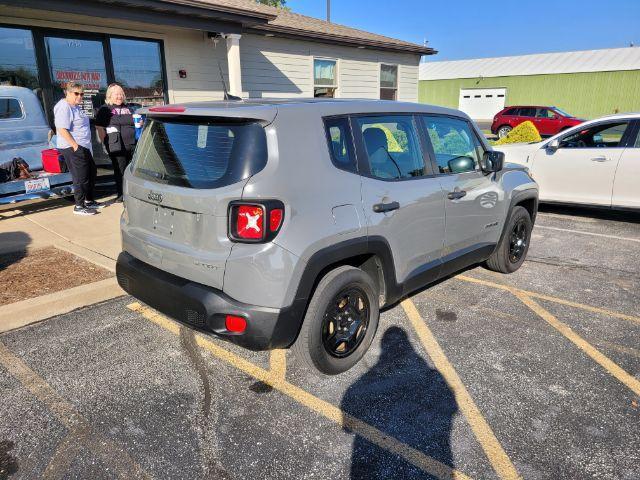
(185, 172)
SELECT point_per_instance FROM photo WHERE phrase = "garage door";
(482, 103)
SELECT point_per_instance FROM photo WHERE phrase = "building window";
(388, 82)
(325, 77)
(18, 65)
(137, 65)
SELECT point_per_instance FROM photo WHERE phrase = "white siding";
(277, 67)
(271, 66)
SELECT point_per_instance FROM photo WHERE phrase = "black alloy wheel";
(518, 241)
(345, 322)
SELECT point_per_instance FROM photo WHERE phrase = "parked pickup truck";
(24, 133)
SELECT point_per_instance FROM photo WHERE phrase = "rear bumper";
(205, 308)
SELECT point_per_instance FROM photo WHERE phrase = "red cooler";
(53, 161)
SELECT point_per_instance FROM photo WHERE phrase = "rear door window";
(527, 112)
(199, 153)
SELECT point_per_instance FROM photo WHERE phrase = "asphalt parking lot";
(535, 375)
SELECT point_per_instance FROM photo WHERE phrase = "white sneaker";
(84, 211)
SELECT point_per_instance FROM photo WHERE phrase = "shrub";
(526, 132)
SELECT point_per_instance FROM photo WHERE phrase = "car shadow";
(591, 212)
(404, 398)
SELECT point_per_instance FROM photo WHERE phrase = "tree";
(275, 3)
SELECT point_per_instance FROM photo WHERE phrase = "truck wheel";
(340, 322)
(504, 130)
(514, 244)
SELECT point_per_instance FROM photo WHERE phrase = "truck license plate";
(36, 185)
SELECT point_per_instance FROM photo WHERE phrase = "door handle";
(386, 207)
(600, 159)
(456, 194)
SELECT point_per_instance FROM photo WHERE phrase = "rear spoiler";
(236, 110)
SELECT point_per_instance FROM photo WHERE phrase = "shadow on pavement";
(13, 247)
(405, 398)
(599, 213)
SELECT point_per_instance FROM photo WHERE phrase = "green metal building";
(587, 84)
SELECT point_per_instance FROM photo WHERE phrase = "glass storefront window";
(138, 68)
(18, 58)
(80, 61)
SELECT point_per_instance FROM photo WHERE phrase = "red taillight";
(250, 222)
(234, 323)
(275, 219)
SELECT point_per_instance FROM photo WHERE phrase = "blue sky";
(472, 28)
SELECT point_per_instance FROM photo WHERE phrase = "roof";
(293, 24)
(604, 60)
(266, 108)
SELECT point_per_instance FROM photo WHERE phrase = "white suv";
(595, 163)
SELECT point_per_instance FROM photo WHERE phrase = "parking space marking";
(278, 363)
(111, 453)
(582, 232)
(321, 407)
(613, 368)
(541, 296)
(495, 453)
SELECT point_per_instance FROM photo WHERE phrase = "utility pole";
(328, 10)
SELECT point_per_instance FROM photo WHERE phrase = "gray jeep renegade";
(273, 223)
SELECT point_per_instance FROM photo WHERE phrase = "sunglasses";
(78, 94)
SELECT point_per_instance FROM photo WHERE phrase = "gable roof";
(287, 23)
(604, 60)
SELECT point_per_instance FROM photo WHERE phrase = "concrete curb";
(26, 312)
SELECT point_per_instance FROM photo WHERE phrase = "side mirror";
(492, 161)
(553, 145)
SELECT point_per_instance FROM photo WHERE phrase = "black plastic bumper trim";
(205, 308)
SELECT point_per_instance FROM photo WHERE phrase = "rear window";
(199, 153)
(10, 109)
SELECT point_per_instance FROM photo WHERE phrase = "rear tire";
(504, 130)
(341, 321)
(512, 249)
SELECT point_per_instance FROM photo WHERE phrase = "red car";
(548, 120)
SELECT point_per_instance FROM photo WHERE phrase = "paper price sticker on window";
(203, 130)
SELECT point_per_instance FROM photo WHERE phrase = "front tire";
(512, 249)
(340, 322)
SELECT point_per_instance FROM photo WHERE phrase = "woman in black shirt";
(114, 123)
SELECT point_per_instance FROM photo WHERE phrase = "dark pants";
(83, 172)
(120, 162)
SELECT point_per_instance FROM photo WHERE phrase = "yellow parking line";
(326, 409)
(278, 363)
(541, 296)
(492, 448)
(111, 453)
(628, 380)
